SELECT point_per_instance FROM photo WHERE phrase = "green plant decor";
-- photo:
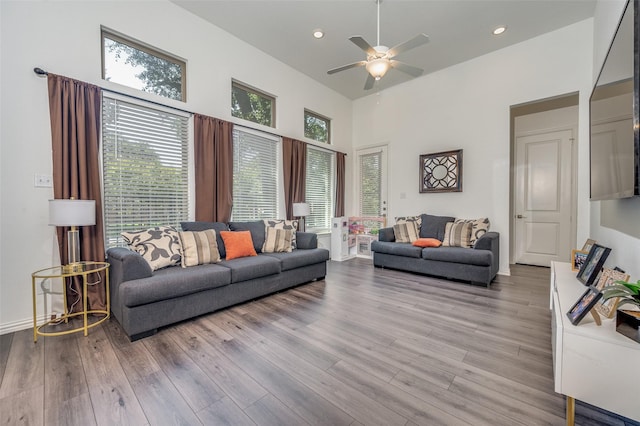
(629, 293)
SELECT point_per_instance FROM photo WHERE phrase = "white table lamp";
(72, 213)
(301, 210)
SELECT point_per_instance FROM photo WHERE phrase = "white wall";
(615, 223)
(64, 38)
(467, 106)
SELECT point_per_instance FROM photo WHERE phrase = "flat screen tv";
(614, 145)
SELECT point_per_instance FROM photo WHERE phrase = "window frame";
(146, 48)
(308, 112)
(235, 84)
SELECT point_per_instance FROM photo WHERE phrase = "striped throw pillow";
(277, 240)
(406, 232)
(457, 234)
(199, 247)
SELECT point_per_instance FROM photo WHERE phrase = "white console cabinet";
(591, 363)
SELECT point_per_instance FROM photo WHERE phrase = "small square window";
(317, 127)
(141, 67)
(252, 105)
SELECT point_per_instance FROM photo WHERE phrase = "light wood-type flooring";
(366, 346)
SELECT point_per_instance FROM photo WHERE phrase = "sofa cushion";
(458, 255)
(434, 226)
(398, 249)
(173, 282)
(238, 244)
(199, 248)
(406, 232)
(299, 258)
(479, 227)
(256, 228)
(202, 226)
(277, 240)
(284, 224)
(159, 246)
(427, 242)
(247, 268)
(457, 234)
(404, 219)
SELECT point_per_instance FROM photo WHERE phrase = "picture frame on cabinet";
(577, 259)
(583, 305)
(587, 245)
(593, 264)
(607, 308)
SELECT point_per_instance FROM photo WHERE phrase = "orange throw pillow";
(427, 242)
(238, 244)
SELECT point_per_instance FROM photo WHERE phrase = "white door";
(543, 197)
(371, 166)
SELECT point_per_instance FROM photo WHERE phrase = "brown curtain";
(74, 109)
(213, 154)
(340, 182)
(294, 164)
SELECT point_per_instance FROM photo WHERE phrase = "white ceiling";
(458, 30)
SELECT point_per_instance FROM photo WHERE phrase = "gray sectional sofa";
(143, 300)
(478, 264)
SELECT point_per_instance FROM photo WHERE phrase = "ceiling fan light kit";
(379, 57)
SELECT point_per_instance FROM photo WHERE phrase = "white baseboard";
(19, 325)
(505, 273)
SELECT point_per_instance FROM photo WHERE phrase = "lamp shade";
(72, 212)
(301, 209)
(378, 67)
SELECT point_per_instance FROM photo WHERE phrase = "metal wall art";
(441, 172)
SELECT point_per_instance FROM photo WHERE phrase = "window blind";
(320, 188)
(145, 168)
(370, 184)
(256, 163)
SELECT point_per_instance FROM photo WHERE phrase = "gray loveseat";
(477, 265)
(143, 300)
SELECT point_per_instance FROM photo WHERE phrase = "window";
(256, 171)
(320, 188)
(317, 127)
(252, 104)
(142, 67)
(145, 168)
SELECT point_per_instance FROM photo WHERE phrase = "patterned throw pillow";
(405, 232)
(199, 248)
(277, 240)
(159, 246)
(457, 234)
(404, 219)
(283, 224)
(479, 227)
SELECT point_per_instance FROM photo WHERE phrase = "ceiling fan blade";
(409, 69)
(369, 83)
(346, 67)
(418, 40)
(362, 44)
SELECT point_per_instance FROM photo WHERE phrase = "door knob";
(521, 217)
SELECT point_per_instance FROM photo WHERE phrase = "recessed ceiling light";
(318, 33)
(500, 30)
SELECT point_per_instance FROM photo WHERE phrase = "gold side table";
(83, 270)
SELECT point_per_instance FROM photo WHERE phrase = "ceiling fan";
(380, 58)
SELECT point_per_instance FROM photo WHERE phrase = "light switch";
(43, 181)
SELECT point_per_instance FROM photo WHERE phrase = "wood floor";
(367, 346)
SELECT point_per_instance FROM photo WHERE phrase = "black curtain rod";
(42, 73)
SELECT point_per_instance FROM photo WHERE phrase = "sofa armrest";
(127, 265)
(490, 241)
(306, 240)
(386, 234)
(487, 241)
